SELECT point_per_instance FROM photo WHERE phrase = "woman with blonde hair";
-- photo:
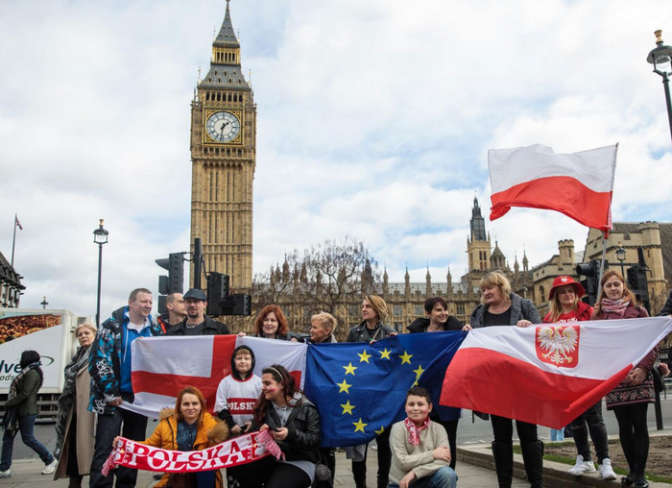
(500, 306)
(372, 328)
(75, 426)
(566, 305)
(630, 399)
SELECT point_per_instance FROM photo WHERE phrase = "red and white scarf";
(241, 450)
(614, 306)
(414, 430)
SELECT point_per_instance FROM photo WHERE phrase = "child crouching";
(420, 449)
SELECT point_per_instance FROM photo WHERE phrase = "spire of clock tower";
(225, 71)
(226, 36)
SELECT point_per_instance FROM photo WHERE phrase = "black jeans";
(107, 428)
(598, 433)
(271, 474)
(451, 430)
(502, 428)
(634, 435)
(384, 460)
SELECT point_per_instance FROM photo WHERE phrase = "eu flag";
(360, 388)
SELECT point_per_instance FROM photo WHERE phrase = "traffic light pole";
(197, 257)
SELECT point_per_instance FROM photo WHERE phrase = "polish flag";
(161, 366)
(547, 374)
(580, 184)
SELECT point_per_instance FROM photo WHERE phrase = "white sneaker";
(582, 466)
(50, 468)
(5, 474)
(606, 471)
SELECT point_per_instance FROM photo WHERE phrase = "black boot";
(502, 452)
(533, 458)
(359, 473)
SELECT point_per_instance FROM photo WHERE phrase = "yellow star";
(344, 387)
(418, 372)
(385, 354)
(350, 369)
(405, 358)
(359, 425)
(380, 431)
(347, 408)
(364, 356)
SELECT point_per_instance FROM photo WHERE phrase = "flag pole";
(604, 254)
(13, 241)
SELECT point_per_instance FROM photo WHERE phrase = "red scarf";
(414, 431)
(234, 452)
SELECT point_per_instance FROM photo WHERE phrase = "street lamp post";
(100, 237)
(620, 255)
(661, 59)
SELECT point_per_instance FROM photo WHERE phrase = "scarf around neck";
(13, 388)
(414, 430)
(617, 307)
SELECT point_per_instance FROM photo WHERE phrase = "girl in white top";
(238, 393)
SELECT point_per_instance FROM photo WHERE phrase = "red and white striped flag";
(17, 223)
(580, 184)
(162, 366)
(547, 374)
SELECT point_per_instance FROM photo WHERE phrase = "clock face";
(223, 126)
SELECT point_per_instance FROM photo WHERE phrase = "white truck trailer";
(49, 332)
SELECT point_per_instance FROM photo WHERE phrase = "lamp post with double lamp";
(100, 237)
(661, 59)
(620, 255)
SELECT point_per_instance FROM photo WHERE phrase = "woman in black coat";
(21, 412)
(500, 306)
(438, 320)
(294, 424)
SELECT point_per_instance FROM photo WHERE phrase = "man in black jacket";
(196, 322)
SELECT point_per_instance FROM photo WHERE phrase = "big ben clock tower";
(223, 155)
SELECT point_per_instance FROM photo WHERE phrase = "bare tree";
(327, 277)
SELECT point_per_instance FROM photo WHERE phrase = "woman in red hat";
(566, 305)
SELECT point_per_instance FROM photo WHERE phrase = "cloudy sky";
(374, 121)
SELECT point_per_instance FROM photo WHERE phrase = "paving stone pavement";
(26, 474)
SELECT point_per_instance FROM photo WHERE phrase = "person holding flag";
(566, 306)
(630, 399)
(372, 328)
(500, 306)
(438, 320)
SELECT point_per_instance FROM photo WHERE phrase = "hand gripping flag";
(360, 389)
(579, 184)
(548, 374)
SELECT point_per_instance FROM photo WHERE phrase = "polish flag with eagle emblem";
(162, 366)
(547, 374)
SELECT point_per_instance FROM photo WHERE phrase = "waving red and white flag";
(162, 366)
(547, 374)
(580, 184)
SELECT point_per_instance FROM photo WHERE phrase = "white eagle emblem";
(558, 344)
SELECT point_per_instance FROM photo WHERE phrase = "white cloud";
(374, 119)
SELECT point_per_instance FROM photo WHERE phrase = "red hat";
(564, 281)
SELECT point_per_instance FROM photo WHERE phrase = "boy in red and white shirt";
(238, 393)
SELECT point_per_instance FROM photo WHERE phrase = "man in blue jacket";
(110, 369)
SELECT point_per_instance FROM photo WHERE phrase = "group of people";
(417, 452)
